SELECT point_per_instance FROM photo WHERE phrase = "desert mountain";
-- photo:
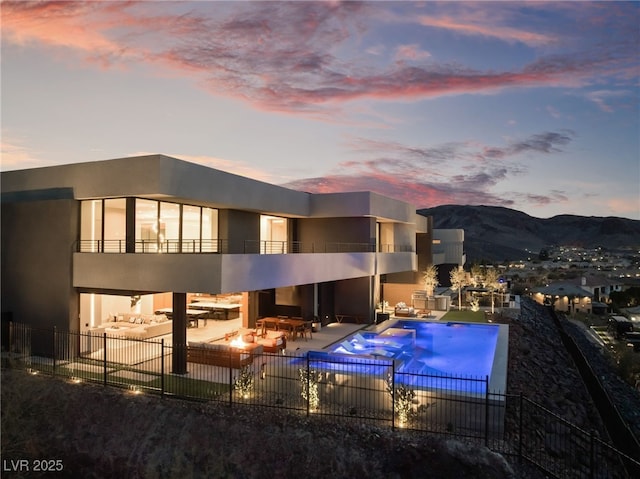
(497, 234)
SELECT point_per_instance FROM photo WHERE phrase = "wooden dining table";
(288, 325)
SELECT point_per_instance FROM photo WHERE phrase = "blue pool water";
(430, 348)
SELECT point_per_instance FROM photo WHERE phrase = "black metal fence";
(374, 390)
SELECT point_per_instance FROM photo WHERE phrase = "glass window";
(190, 229)
(147, 226)
(210, 230)
(273, 235)
(169, 227)
(91, 226)
(115, 225)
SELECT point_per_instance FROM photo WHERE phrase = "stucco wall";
(320, 231)
(241, 229)
(37, 244)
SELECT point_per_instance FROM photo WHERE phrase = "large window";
(91, 225)
(210, 230)
(148, 229)
(191, 229)
(169, 226)
(273, 235)
(158, 226)
(115, 225)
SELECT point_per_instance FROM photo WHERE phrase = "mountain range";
(495, 233)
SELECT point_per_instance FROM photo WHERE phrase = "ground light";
(134, 389)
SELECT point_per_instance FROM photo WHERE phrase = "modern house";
(564, 296)
(600, 287)
(85, 242)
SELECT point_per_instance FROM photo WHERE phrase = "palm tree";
(430, 278)
(458, 278)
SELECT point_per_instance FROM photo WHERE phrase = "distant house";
(600, 287)
(565, 296)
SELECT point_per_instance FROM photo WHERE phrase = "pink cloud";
(57, 24)
(411, 52)
(284, 56)
(472, 27)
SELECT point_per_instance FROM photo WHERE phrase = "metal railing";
(149, 246)
(374, 390)
(226, 247)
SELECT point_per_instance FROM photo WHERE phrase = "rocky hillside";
(495, 233)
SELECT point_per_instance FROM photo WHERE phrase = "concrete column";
(179, 329)
(130, 228)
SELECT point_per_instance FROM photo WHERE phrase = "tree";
(491, 281)
(430, 278)
(477, 274)
(458, 278)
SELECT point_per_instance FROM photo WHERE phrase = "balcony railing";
(226, 247)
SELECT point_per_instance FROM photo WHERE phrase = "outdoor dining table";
(289, 325)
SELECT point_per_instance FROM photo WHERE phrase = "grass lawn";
(467, 316)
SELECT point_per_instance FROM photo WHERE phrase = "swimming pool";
(455, 372)
(418, 347)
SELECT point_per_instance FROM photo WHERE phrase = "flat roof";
(166, 178)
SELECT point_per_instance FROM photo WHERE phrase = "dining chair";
(305, 330)
(288, 329)
(269, 324)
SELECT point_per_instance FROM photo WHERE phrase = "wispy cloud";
(411, 52)
(605, 99)
(459, 173)
(15, 155)
(289, 56)
(477, 26)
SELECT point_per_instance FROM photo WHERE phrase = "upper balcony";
(208, 268)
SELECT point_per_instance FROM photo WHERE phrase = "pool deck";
(327, 335)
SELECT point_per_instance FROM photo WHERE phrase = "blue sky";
(531, 106)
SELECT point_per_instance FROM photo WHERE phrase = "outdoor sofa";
(135, 326)
(222, 354)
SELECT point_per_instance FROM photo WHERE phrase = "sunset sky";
(531, 106)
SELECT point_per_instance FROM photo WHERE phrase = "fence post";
(393, 394)
(520, 429)
(104, 357)
(230, 381)
(308, 390)
(591, 454)
(486, 411)
(54, 349)
(162, 367)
